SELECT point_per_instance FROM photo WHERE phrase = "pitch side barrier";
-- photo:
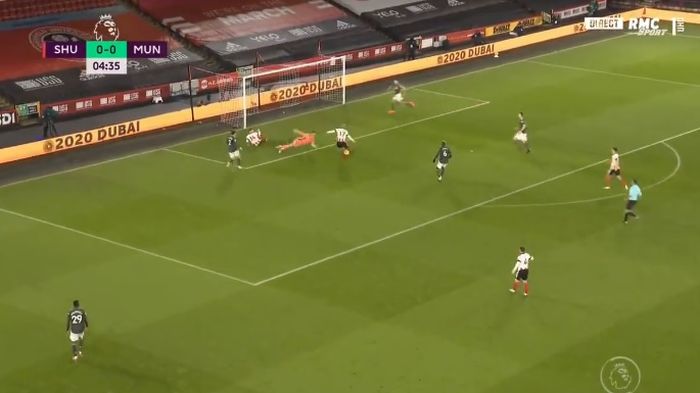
(162, 121)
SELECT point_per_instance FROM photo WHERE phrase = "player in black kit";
(442, 157)
(234, 152)
(76, 325)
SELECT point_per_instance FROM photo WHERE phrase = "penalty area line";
(182, 153)
(440, 93)
(610, 73)
(123, 245)
(374, 133)
(461, 211)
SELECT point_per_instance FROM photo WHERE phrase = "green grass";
(394, 305)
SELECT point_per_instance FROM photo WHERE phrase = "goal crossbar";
(339, 62)
(331, 60)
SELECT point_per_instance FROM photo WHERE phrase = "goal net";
(256, 90)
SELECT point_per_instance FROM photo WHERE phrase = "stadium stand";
(217, 36)
(27, 77)
(401, 19)
(242, 32)
(22, 9)
(691, 5)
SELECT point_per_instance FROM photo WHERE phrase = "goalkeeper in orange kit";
(303, 139)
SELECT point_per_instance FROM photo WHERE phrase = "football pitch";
(308, 272)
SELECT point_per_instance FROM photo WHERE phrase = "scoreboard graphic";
(105, 57)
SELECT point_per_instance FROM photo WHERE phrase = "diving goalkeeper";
(302, 139)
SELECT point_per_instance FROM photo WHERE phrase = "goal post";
(257, 90)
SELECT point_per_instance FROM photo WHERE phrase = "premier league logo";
(106, 29)
(620, 375)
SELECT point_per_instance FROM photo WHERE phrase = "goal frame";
(329, 60)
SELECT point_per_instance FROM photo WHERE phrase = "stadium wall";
(161, 122)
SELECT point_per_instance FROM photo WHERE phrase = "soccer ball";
(346, 152)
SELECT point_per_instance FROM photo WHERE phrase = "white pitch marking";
(603, 72)
(581, 201)
(439, 93)
(460, 211)
(182, 153)
(123, 245)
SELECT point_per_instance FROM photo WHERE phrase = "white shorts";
(441, 165)
(398, 97)
(75, 337)
(520, 137)
(235, 155)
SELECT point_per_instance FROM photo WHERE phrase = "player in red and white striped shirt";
(341, 137)
(254, 137)
(521, 271)
(615, 170)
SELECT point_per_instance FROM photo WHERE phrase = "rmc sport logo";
(646, 26)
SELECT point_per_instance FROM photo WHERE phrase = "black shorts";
(614, 172)
(522, 274)
(630, 204)
(342, 145)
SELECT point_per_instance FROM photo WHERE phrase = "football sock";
(515, 285)
(527, 287)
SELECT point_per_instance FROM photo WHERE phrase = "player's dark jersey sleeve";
(437, 154)
(68, 322)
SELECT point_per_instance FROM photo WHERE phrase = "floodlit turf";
(321, 274)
